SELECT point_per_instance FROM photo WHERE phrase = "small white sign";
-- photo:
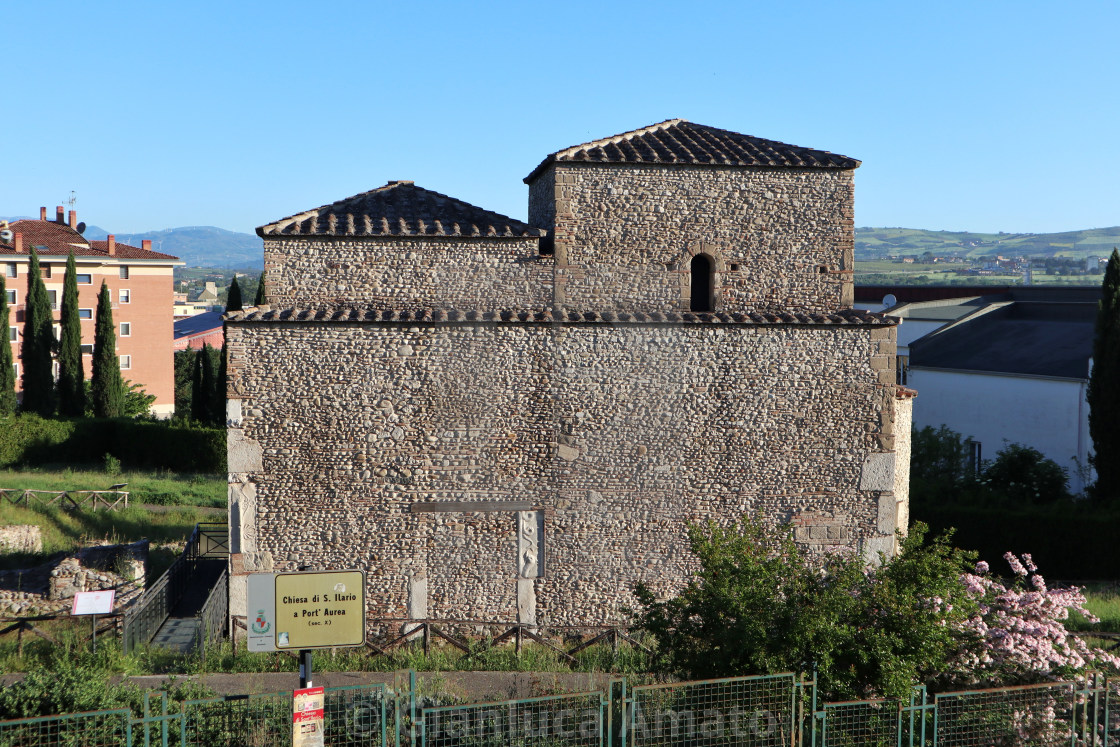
(260, 595)
(93, 602)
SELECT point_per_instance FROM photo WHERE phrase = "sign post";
(93, 603)
(316, 609)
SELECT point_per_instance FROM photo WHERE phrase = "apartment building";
(140, 283)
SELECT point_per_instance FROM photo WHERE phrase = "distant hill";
(877, 243)
(198, 246)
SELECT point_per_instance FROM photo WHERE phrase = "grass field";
(1105, 604)
(162, 508)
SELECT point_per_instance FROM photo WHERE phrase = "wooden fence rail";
(108, 500)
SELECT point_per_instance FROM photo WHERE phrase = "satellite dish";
(81, 228)
(889, 300)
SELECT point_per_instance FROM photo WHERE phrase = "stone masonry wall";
(624, 235)
(597, 443)
(408, 273)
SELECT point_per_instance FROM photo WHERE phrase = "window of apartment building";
(15, 368)
(87, 349)
(11, 269)
(11, 297)
(53, 296)
(125, 296)
(45, 271)
(126, 362)
(13, 334)
(126, 329)
(84, 278)
(85, 313)
(57, 328)
(124, 272)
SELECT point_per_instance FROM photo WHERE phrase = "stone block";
(21, 538)
(877, 472)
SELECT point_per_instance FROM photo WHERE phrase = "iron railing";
(213, 619)
(209, 540)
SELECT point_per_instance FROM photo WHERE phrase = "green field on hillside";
(873, 243)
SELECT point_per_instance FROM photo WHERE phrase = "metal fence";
(91, 729)
(762, 711)
(573, 720)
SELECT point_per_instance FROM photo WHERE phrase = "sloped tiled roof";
(126, 251)
(372, 314)
(59, 239)
(400, 209)
(678, 141)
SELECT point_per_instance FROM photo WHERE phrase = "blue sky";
(980, 115)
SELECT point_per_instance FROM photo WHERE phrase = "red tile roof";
(678, 141)
(401, 209)
(58, 239)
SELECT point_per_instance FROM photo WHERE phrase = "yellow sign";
(320, 609)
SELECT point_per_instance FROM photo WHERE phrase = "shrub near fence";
(138, 444)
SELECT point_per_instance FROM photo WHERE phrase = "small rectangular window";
(84, 278)
(85, 313)
(975, 456)
(45, 271)
(13, 334)
(126, 362)
(11, 270)
(125, 296)
(53, 296)
(87, 349)
(57, 331)
(126, 329)
(124, 272)
(11, 297)
(903, 369)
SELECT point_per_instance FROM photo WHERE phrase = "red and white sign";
(93, 602)
(308, 717)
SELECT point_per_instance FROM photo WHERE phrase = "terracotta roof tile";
(678, 141)
(60, 239)
(400, 209)
(850, 317)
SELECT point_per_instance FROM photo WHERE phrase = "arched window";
(701, 296)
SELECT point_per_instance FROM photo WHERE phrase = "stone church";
(508, 421)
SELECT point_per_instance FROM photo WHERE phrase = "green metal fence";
(760, 710)
(90, 729)
(573, 720)
(354, 717)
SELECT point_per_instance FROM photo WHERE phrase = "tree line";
(104, 395)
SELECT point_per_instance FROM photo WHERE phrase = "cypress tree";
(233, 298)
(218, 404)
(203, 387)
(1104, 386)
(38, 343)
(7, 375)
(259, 300)
(107, 387)
(71, 377)
(198, 398)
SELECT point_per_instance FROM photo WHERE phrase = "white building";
(1008, 368)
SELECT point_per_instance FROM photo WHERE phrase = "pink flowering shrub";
(1017, 633)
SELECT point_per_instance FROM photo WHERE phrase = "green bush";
(759, 604)
(29, 440)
